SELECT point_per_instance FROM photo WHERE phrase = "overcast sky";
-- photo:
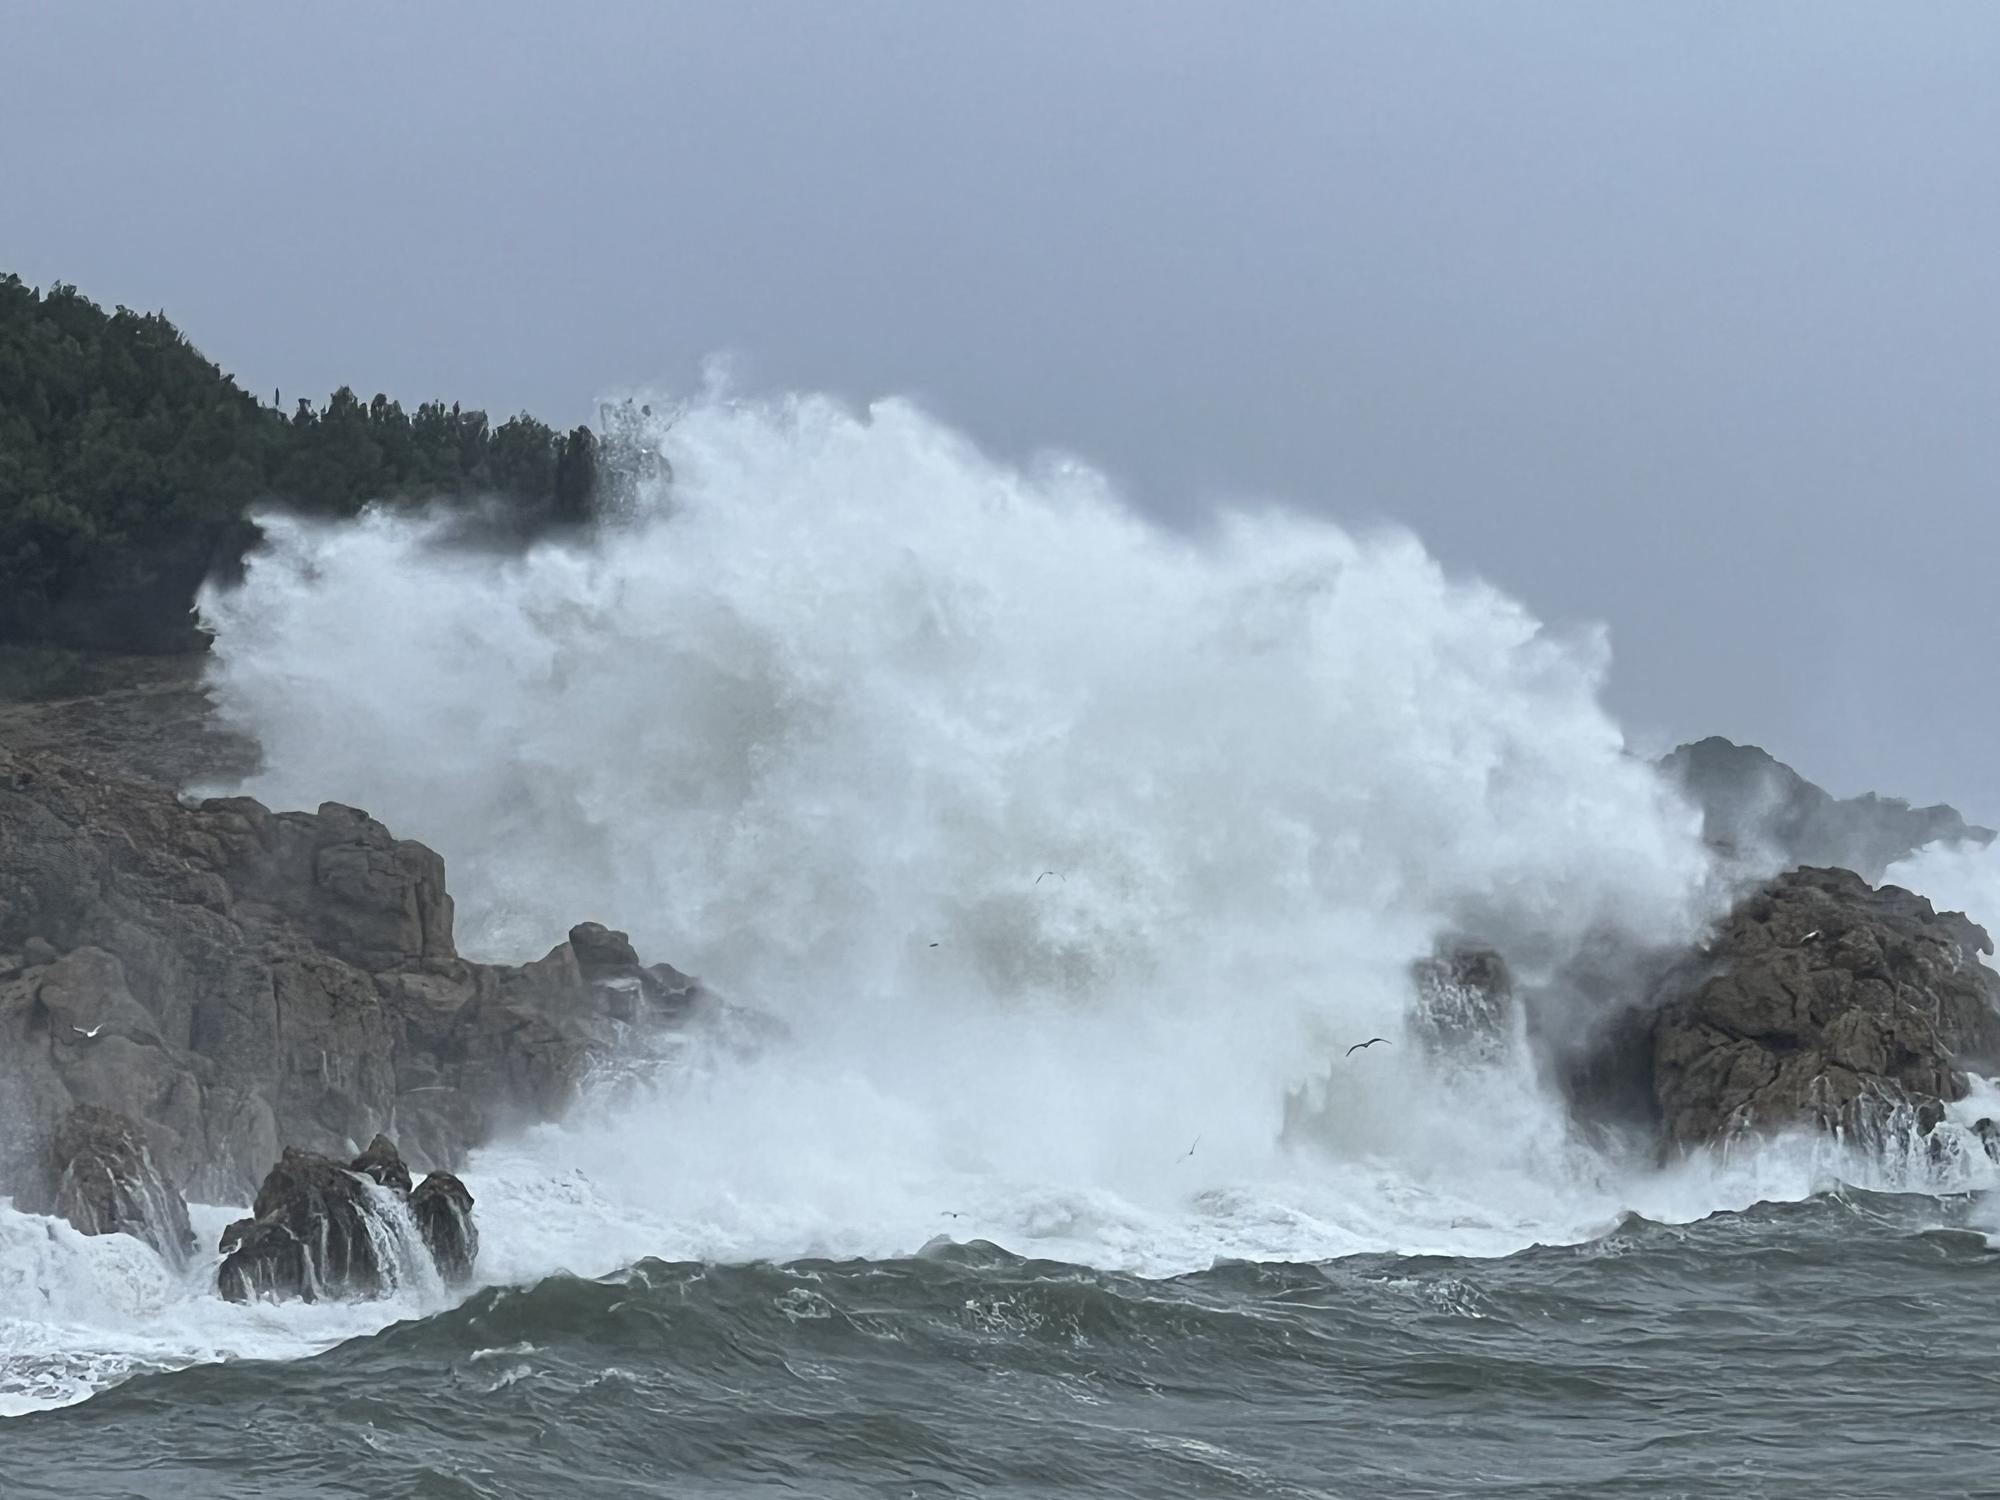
(1685, 317)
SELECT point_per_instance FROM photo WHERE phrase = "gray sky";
(1685, 317)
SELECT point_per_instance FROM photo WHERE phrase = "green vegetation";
(129, 464)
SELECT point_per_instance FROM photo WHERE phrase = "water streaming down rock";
(441, 1206)
(322, 1229)
(101, 1178)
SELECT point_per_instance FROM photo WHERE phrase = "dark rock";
(1989, 1137)
(1824, 1003)
(382, 1162)
(238, 1231)
(315, 1235)
(442, 1207)
(322, 1230)
(102, 1178)
(1761, 810)
(628, 991)
(266, 1259)
(599, 950)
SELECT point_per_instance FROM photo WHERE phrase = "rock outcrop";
(233, 979)
(1760, 809)
(98, 1173)
(324, 1230)
(442, 1208)
(1819, 1002)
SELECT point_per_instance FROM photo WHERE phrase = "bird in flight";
(1047, 873)
(1810, 936)
(1190, 1150)
(87, 1035)
(933, 945)
(1358, 1046)
(948, 1214)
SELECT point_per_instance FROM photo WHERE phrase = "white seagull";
(87, 1035)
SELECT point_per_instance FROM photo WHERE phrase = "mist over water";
(1956, 877)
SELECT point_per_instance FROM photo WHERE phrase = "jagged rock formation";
(1760, 809)
(99, 1175)
(443, 1210)
(234, 979)
(1819, 1002)
(323, 1230)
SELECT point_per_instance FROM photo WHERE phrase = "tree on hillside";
(129, 464)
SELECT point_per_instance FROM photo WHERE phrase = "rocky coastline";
(197, 996)
(216, 1001)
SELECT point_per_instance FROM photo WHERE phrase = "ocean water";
(1829, 1347)
(1064, 857)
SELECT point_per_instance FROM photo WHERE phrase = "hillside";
(129, 463)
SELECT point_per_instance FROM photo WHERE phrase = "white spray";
(1073, 852)
(817, 718)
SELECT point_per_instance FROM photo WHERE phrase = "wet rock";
(442, 1207)
(103, 1180)
(382, 1162)
(322, 1230)
(1988, 1133)
(314, 1235)
(1824, 1003)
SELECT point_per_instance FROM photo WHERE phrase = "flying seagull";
(1047, 873)
(1190, 1150)
(1369, 1043)
(933, 945)
(1810, 936)
(948, 1214)
(87, 1035)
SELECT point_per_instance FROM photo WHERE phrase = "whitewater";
(1068, 852)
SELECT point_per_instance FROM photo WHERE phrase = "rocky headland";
(210, 999)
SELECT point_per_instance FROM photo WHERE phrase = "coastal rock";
(442, 1207)
(102, 1179)
(1761, 811)
(607, 962)
(322, 1230)
(310, 1236)
(382, 1162)
(233, 978)
(1819, 1002)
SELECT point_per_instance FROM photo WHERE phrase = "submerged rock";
(442, 1207)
